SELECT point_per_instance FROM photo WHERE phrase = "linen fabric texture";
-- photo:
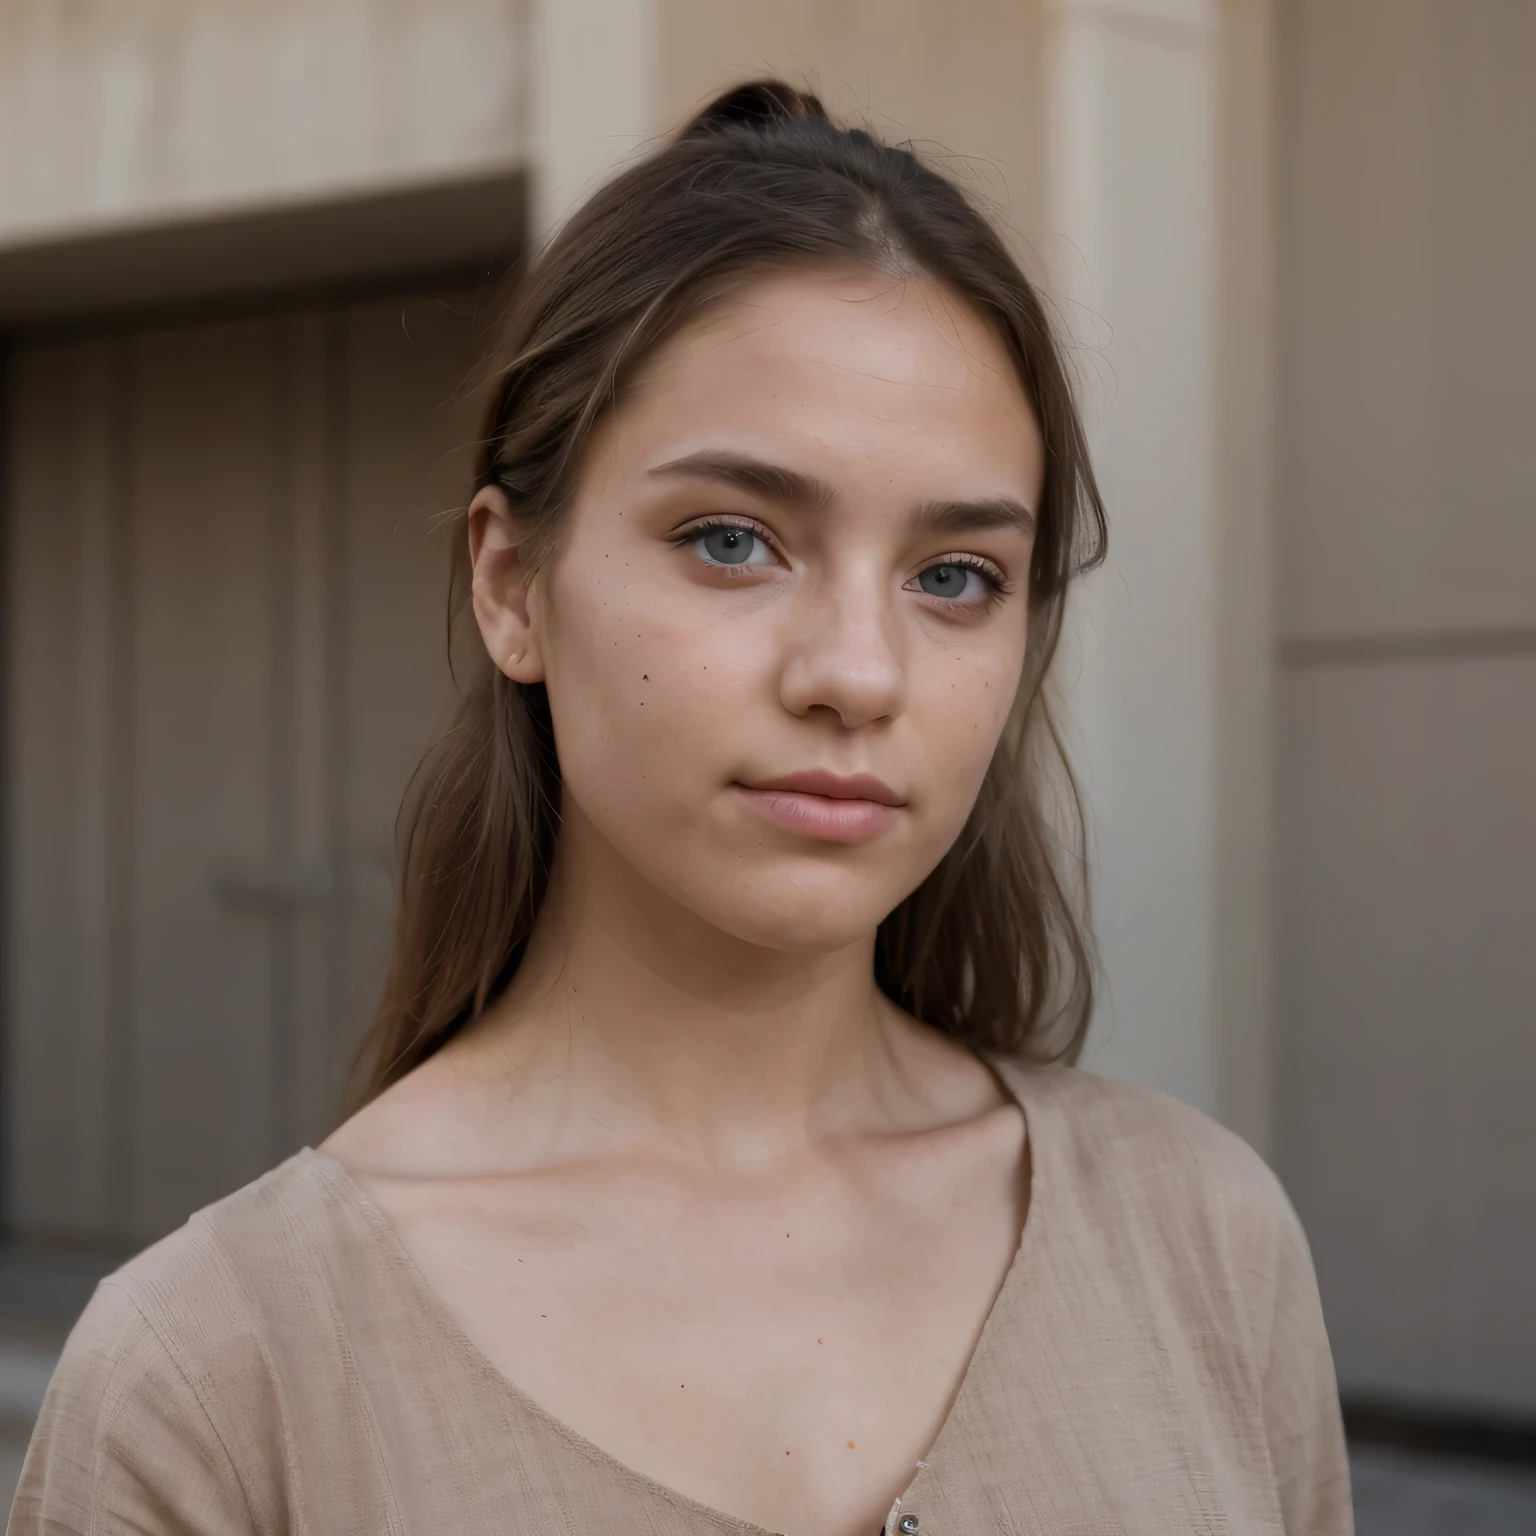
(1155, 1363)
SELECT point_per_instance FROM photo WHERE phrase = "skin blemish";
(850, 1445)
(818, 1341)
(645, 677)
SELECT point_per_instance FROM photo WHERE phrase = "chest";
(1065, 1426)
(786, 1353)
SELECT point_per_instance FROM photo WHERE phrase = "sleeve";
(124, 1444)
(1302, 1420)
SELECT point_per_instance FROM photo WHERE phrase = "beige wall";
(1405, 1045)
(962, 78)
(1245, 299)
(1132, 208)
(131, 112)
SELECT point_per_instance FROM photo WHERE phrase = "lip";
(833, 808)
(833, 786)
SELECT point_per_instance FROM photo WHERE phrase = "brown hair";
(991, 948)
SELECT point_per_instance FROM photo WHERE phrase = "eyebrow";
(779, 483)
(973, 516)
(771, 480)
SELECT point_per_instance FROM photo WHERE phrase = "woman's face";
(786, 621)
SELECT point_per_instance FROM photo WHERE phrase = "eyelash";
(709, 524)
(998, 586)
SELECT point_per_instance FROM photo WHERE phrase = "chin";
(794, 914)
(805, 931)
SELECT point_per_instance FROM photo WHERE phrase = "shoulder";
(1159, 1180)
(1113, 1138)
(169, 1384)
(210, 1290)
(1157, 1212)
(178, 1370)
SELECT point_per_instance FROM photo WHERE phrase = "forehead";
(852, 373)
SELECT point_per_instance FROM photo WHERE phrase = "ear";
(507, 607)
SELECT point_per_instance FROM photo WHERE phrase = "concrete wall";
(134, 112)
(961, 79)
(1159, 221)
(1406, 1051)
(1246, 326)
(1131, 200)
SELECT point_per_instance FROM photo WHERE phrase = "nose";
(844, 653)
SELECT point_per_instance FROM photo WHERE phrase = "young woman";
(714, 1175)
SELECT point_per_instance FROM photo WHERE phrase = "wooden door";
(225, 612)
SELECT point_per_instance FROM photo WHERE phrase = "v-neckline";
(1010, 1075)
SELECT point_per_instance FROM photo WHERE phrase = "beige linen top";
(1155, 1362)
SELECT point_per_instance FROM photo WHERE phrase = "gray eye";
(944, 580)
(729, 546)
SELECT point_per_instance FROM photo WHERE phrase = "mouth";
(833, 808)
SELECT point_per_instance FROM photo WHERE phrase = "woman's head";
(781, 491)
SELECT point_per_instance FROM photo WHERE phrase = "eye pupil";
(943, 580)
(729, 546)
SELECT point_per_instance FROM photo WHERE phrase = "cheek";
(957, 714)
(641, 704)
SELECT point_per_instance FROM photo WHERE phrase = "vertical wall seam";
(334, 452)
(7, 646)
(282, 696)
(122, 981)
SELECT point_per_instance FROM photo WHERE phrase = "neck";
(649, 1025)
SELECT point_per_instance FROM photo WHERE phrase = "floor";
(1403, 1493)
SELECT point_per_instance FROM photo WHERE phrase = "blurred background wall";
(247, 257)
(1405, 534)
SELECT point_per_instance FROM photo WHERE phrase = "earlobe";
(518, 668)
(500, 588)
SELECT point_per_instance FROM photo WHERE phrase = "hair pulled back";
(992, 948)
